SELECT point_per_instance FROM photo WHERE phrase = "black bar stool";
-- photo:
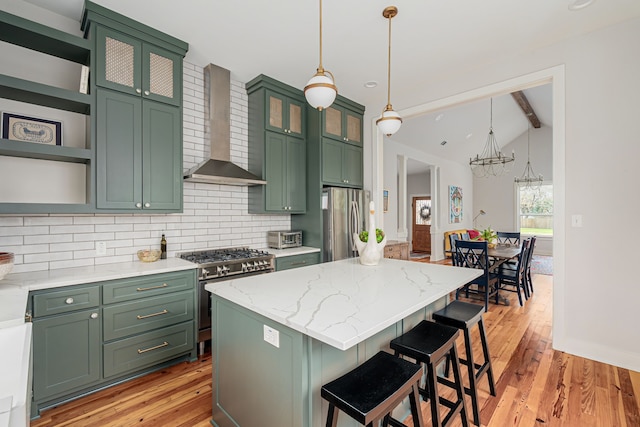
(464, 316)
(430, 343)
(373, 389)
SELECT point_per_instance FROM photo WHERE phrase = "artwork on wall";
(385, 200)
(455, 204)
(31, 129)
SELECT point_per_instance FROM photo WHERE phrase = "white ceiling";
(430, 39)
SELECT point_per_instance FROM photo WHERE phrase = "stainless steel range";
(216, 265)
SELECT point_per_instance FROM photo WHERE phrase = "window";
(535, 210)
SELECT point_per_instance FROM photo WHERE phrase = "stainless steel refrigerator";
(344, 211)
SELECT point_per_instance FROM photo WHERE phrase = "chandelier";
(491, 162)
(529, 178)
(390, 121)
(321, 90)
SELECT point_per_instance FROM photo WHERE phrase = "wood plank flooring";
(535, 385)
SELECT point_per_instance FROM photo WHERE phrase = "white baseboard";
(600, 353)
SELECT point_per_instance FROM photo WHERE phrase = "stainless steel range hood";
(219, 169)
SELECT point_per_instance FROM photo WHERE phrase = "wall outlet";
(101, 248)
(272, 336)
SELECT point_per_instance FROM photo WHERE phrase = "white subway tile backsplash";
(214, 216)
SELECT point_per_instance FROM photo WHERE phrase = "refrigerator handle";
(355, 223)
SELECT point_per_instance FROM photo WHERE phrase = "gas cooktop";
(209, 256)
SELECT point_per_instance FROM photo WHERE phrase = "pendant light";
(390, 121)
(491, 162)
(321, 90)
(529, 178)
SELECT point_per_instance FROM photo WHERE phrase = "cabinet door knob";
(138, 90)
(94, 315)
(138, 205)
(146, 92)
(147, 205)
(69, 300)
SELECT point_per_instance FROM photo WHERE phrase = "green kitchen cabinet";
(129, 65)
(277, 147)
(137, 82)
(342, 124)
(66, 353)
(341, 164)
(297, 261)
(87, 337)
(139, 154)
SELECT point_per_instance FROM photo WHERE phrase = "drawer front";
(148, 349)
(66, 300)
(142, 287)
(296, 261)
(134, 317)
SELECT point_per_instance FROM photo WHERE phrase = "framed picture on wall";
(17, 127)
(385, 200)
(455, 204)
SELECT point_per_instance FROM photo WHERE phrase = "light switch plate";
(272, 336)
(576, 220)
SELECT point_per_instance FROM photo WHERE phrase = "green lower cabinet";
(66, 353)
(297, 261)
(138, 154)
(341, 164)
(87, 337)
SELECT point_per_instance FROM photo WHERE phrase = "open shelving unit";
(37, 37)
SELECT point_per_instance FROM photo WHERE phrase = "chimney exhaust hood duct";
(218, 169)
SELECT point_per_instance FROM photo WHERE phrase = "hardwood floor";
(535, 385)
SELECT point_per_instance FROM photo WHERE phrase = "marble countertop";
(342, 303)
(301, 250)
(47, 279)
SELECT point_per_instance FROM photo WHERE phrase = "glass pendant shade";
(320, 91)
(389, 122)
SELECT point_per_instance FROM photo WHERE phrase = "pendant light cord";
(389, 67)
(320, 69)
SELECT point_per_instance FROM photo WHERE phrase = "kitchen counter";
(301, 250)
(294, 330)
(343, 303)
(48, 279)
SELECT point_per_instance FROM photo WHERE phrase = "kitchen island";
(278, 337)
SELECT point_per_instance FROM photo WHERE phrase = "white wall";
(215, 216)
(595, 288)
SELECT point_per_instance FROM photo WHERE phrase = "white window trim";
(516, 208)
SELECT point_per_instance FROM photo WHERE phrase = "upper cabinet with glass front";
(285, 114)
(342, 124)
(137, 60)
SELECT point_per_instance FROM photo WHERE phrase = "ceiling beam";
(523, 102)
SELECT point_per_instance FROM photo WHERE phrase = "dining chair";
(514, 280)
(508, 237)
(472, 254)
(452, 243)
(529, 282)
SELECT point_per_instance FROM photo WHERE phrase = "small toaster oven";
(284, 239)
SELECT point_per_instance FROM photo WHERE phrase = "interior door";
(421, 234)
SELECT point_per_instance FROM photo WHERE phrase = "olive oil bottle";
(163, 248)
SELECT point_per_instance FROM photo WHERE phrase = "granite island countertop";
(342, 303)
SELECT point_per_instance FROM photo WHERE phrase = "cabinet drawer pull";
(94, 315)
(164, 285)
(146, 92)
(299, 263)
(164, 344)
(69, 300)
(160, 313)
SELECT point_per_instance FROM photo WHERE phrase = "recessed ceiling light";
(579, 4)
(439, 117)
(371, 84)
(469, 135)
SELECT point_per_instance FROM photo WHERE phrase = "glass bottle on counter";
(163, 248)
